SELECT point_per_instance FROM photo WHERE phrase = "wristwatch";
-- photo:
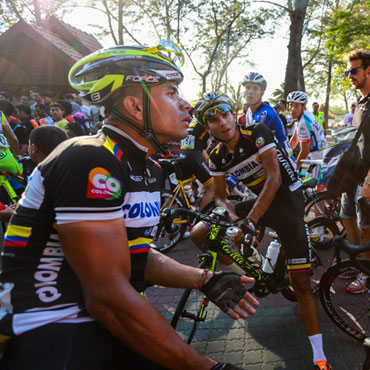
(367, 180)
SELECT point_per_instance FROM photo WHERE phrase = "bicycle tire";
(349, 312)
(330, 207)
(207, 209)
(322, 250)
(163, 240)
(190, 311)
(322, 256)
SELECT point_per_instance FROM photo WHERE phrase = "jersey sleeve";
(263, 138)
(85, 183)
(303, 131)
(215, 161)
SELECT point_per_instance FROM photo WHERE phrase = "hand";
(246, 226)
(227, 291)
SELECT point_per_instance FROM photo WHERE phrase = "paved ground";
(274, 338)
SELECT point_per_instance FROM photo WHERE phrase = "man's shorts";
(350, 210)
(286, 217)
(71, 346)
(194, 164)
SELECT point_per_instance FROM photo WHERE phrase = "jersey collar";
(122, 133)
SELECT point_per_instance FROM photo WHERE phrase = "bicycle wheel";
(164, 240)
(322, 247)
(208, 208)
(328, 206)
(191, 310)
(350, 312)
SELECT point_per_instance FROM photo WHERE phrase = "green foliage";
(350, 27)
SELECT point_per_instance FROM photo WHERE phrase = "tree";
(212, 34)
(35, 11)
(296, 10)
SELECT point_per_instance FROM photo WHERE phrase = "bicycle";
(192, 308)
(179, 197)
(350, 312)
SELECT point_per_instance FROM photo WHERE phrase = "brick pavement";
(274, 338)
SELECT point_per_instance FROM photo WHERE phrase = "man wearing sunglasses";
(77, 252)
(358, 72)
(254, 156)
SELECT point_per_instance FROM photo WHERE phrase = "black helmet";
(212, 100)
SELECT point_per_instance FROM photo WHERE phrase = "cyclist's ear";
(133, 106)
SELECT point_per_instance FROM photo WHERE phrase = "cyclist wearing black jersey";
(193, 150)
(255, 157)
(77, 252)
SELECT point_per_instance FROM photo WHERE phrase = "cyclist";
(255, 157)
(193, 149)
(260, 112)
(77, 252)
(8, 163)
(311, 137)
(308, 131)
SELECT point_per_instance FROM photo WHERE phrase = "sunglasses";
(211, 112)
(353, 71)
(169, 47)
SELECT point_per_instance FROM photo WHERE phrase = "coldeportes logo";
(102, 185)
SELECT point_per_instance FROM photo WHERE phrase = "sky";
(268, 55)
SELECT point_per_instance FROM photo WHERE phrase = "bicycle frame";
(179, 188)
(4, 182)
(263, 281)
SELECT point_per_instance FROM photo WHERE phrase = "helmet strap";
(145, 131)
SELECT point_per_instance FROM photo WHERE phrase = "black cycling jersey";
(245, 163)
(197, 138)
(98, 177)
(286, 212)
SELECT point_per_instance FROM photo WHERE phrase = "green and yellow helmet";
(97, 75)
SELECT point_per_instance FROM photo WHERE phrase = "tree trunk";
(36, 6)
(294, 79)
(120, 20)
(327, 98)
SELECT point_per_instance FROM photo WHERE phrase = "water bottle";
(272, 254)
(189, 193)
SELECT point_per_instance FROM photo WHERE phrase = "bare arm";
(12, 139)
(305, 151)
(271, 186)
(165, 271)
(221, 196)
(294, 140)
(98, 253)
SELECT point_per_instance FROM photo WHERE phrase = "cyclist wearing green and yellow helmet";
(77, 253)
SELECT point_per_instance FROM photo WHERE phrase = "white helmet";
(255, 78)
(297, 97)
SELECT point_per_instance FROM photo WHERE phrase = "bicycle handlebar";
(168, 215)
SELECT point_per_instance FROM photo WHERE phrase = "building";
(31, 55)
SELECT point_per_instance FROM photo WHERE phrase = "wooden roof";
(41, 56)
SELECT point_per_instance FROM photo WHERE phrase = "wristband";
(248, 226)
(202, 279)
